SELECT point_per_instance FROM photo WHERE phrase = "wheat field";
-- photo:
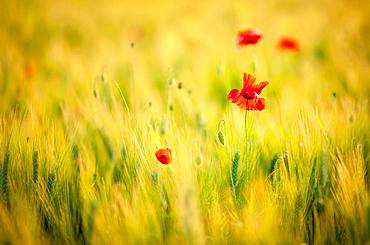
(90, 90)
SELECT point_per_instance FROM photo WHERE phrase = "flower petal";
(256, 104)
(248, 80)
(260, 104)
(258, 88)
(242, 103)
(233, 95)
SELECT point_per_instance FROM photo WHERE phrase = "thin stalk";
(123, 98)
(246, 147)
(246, 131)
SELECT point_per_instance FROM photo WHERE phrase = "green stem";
(246, 131)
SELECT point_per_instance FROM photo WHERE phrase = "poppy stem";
(246, 131)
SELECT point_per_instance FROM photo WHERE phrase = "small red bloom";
(28, 70)
(248, 97)
(164, 156)
(248, 37)
(288, 43)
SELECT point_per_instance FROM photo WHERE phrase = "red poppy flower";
(248, 97)
(164, 156)
(248, 37)
(28, 70)
(288, 43)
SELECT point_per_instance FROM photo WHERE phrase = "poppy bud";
(221, 137)
(164, 156)
(220, 134)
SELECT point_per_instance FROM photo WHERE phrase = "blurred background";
(49, 49)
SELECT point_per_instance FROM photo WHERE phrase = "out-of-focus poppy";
(164, 156)
(248, 97)
(288, 43)
(28, 70)
(248, 37)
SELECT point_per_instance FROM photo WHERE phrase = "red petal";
(258, 88)
(256, 104)
(260, 104)
(233, 95)
(248, 80)
(242, 102)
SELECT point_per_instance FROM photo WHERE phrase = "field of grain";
(91, 90)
